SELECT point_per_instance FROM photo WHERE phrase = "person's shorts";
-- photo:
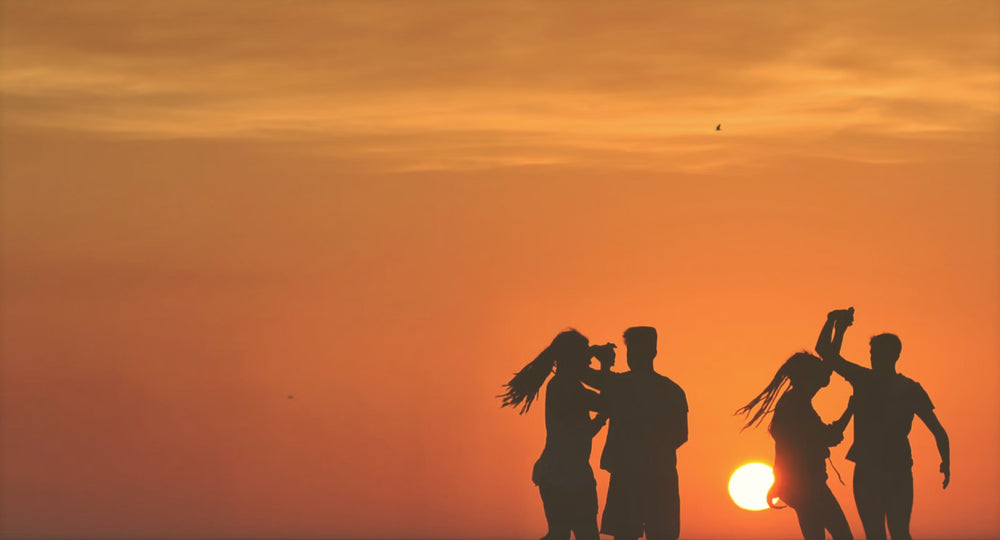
(643, 503)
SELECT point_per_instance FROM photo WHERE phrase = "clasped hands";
(605, 354)
(843, 316)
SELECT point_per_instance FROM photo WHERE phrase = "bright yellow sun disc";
(749, 484)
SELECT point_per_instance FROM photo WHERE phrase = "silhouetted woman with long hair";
(801, 445)
(563, 474)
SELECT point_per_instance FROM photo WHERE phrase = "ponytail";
(762, 405)
(523, 387)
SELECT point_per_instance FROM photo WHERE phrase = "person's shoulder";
(911, 386)
(784, 406)
(560, 384)
(670, 388)
(907, 383)
(668, 382)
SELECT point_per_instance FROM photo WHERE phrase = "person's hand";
(946, 469)
(605, 354)
(843, 316)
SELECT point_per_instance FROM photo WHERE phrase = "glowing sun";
(749, 484)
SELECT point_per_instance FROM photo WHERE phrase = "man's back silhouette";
(885, 403)
(648, 422)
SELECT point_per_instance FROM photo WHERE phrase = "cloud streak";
(510, 84)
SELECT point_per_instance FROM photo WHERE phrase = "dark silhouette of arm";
(941, 438)
(598, 422)
(592, 400)
(836, 429)
(841, 423)
(829, 342)
(596, 378)
(677, 420)
(682, 430)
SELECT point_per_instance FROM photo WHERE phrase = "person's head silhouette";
(802, 371)
(806, 372)
(641, 344)
(569, 353)
(885, 349)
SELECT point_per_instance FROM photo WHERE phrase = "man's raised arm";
(831, 337)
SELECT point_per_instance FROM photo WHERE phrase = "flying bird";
(718, 127)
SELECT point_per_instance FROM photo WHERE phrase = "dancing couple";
(883, 405)
(647, 416)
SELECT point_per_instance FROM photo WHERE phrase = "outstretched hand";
(946, 469)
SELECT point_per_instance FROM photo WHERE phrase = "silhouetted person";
(802, 445)
(884, 405)
(648, 423)
(563, 474)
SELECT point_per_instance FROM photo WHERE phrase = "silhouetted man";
(648, 422)
(884, 405)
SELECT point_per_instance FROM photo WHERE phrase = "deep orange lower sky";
(384, 209)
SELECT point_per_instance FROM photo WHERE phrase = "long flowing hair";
(523, 387)
(794, 369)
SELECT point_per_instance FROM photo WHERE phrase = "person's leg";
(810, 523)
(869, 498)
(662, 513)
(899, 505)
(833, 516)
(554, 505)
(620, 515)
(584, 523)
(807, 512)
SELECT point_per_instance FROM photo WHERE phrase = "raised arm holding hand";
(831, 337)
(605, 354)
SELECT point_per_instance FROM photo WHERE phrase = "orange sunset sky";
(385, 208)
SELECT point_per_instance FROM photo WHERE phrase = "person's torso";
(645, 410)
(568, 432)
(800, 443)
(884, 408)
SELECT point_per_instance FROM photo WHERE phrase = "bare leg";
(554, 504)
(900, 505)
(870, 497)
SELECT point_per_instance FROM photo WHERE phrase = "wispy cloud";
(455, 84)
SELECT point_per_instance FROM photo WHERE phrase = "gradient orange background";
(387, 208)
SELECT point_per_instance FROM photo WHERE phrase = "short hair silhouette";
(890, 344)
(640, 336)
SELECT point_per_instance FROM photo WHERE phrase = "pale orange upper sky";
(386, 208)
